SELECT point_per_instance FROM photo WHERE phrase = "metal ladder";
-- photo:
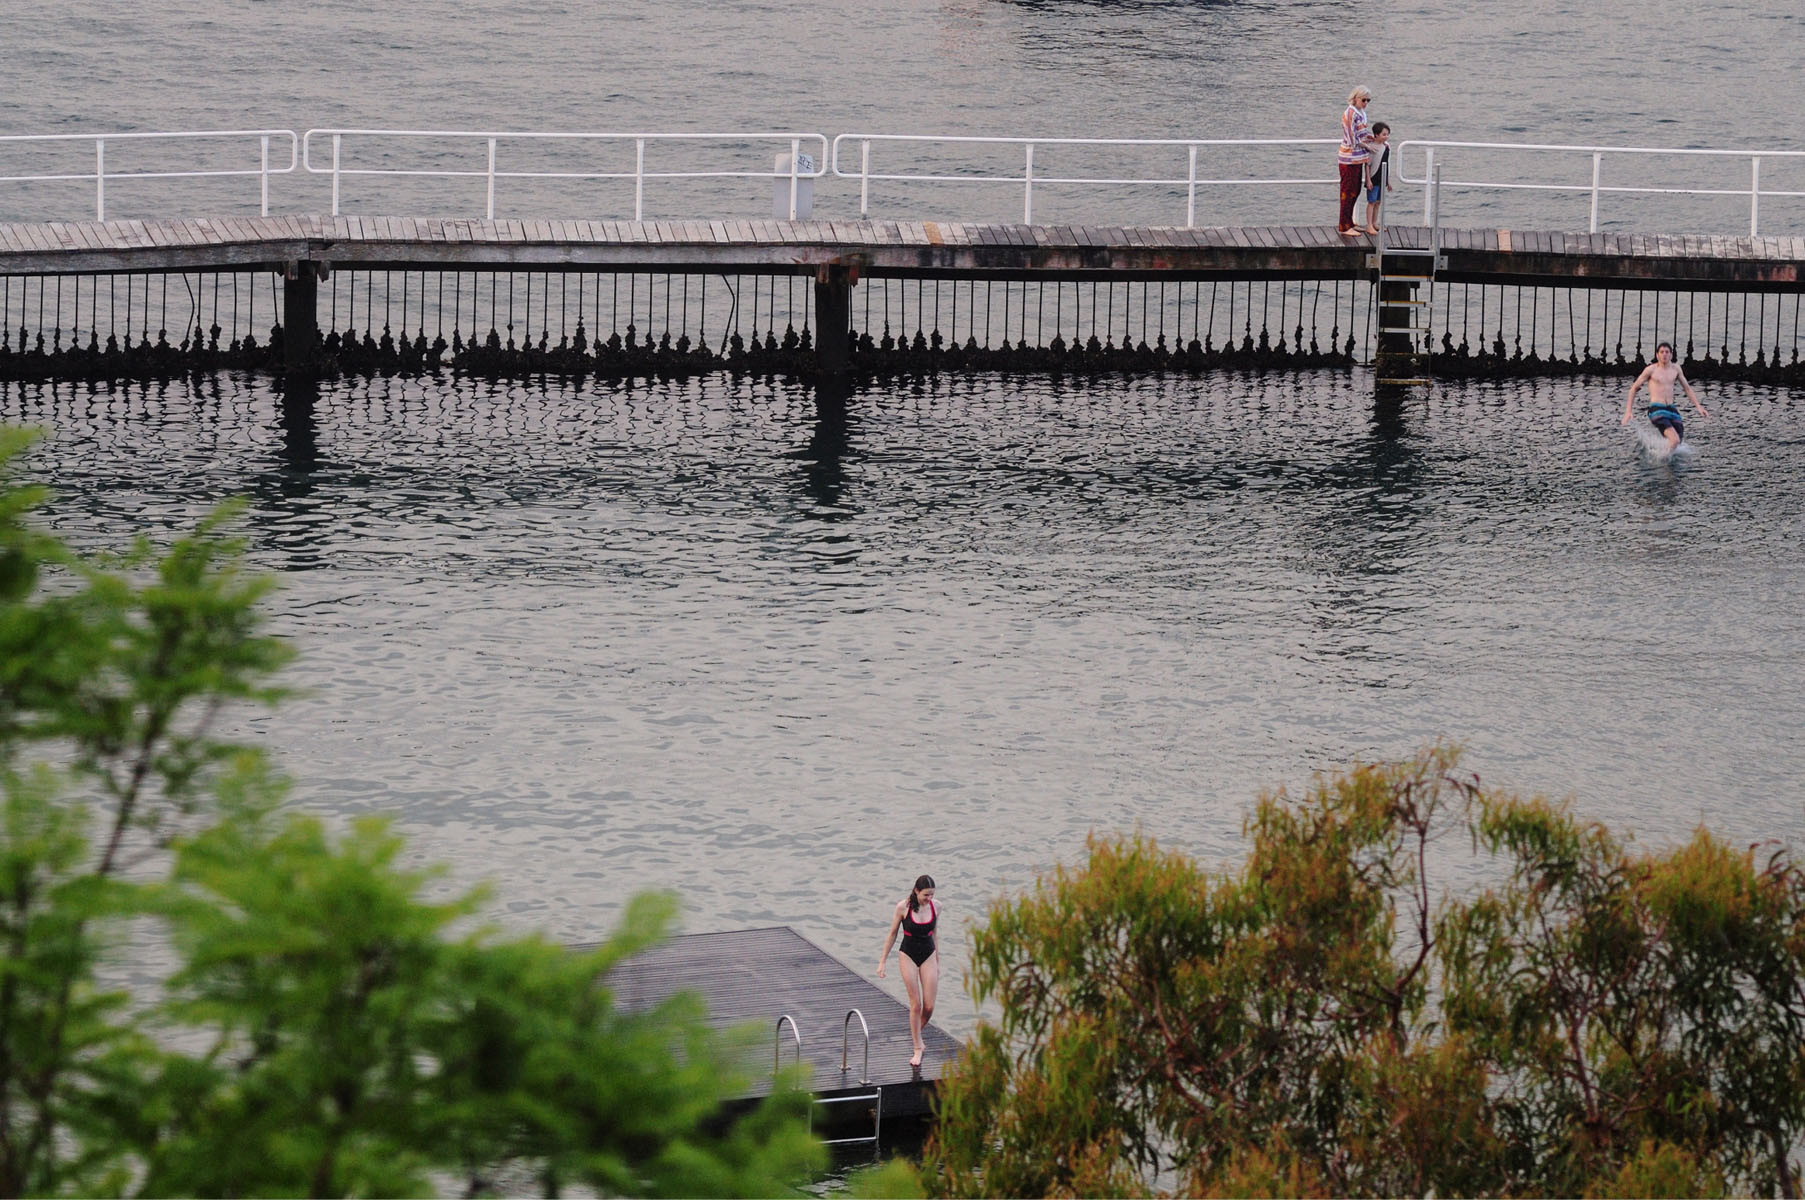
(875, 1095)
(1410, 268)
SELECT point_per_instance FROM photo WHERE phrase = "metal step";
(1435, 262)
(1423, 382)
(1405, 278)
(877, 1125)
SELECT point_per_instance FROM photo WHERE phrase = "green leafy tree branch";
(326, 1027)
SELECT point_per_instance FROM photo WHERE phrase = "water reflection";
(298, 401)
(1374, 530)
(1074, 600)
(824, 459)
(1366, 544)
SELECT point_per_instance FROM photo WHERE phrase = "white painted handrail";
(1028, 178)
(1595, 185)
(796, 143)
(1189, 157)
(100, 174)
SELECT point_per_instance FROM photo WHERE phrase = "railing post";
(639, 178)
(1597, 169)
(1191, 191)
(263, 178)
(1435, 228)
(1028, 188)
(864, 179)
(795, 150)
(489, 212)
(1755, 196)
(1428, 186)
(100, 179)
(335, 144)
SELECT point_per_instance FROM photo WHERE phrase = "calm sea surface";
(586, 640)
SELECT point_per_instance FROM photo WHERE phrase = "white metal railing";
(493, 142)
(1190, 180)
(1196, 162)
(100, 174)
(1596, 186)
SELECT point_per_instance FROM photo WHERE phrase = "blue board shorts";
(1664, 419)
(1372, 194)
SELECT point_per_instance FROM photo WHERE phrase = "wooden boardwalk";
(754, 976)
(921, 248)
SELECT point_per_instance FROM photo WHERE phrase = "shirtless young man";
(1663, 413)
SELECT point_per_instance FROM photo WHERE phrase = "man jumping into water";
(1663, 413)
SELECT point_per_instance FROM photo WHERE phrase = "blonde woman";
(1355, 152)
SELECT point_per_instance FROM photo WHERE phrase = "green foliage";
(328, 1027)
(69, 1054)
(892, 1179)
(359, 1045)
(115, 671)
(1329, 1020)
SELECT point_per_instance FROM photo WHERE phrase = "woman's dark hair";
(1379, 127)
(924, 881)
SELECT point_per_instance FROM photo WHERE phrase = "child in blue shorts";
(1378, 174)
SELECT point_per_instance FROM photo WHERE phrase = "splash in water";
(1655, 446)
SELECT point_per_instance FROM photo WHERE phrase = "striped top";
(1353, 136)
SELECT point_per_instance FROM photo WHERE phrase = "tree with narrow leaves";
(1332, 1019)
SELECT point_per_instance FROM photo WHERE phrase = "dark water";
(589, 640)
(585, 641)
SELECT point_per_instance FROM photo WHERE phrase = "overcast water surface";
(584, 640)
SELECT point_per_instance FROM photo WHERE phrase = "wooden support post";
(833, 321)
(300, 319)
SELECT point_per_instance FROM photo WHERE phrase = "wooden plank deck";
(888, 248)
(756, 975)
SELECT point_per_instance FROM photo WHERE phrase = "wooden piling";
(300, 319)
(833, 321)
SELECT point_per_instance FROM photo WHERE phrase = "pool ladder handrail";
(876, 1095)
(777, 1042)
(845, 1040)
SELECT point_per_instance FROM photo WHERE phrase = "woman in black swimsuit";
(919, 917)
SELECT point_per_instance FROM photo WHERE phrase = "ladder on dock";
(1405, 283)
(875, 1097)
(1409, 271)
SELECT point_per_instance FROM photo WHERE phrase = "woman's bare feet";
(1372, 229)
(919, 1051)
